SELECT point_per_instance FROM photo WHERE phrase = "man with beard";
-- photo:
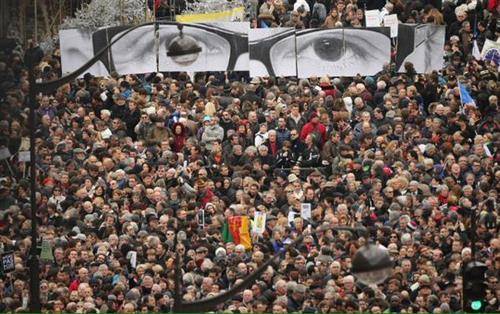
(310, 197)
(254, 193)
(226, 122)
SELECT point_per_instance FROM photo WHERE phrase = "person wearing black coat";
(310, 156)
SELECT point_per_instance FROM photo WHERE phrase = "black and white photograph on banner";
(134, 53)
(342, 51)
(272, 52)
(76, 49)
(203, 47)
(422, 45)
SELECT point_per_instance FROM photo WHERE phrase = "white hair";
(466, 250)
(381, 84)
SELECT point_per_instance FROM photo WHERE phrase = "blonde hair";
(210, 109)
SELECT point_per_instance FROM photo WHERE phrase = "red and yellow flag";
(237, 229)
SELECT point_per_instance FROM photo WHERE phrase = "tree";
(105, 13)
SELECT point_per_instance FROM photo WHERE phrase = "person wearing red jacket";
(314, 127)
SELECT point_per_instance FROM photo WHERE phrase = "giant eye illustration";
(329, 49)
(223, 47)
(316, 52)
(214, 55)
(220, 48)
(183, 49)
(135, 52)
(76, 50)
(341, 52)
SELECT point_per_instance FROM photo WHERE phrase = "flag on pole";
(237, 230)
(465, 97)
(475, 51)
(226, 234)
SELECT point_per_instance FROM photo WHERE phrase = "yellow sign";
(236, 14)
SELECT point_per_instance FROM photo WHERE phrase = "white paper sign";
(132, 257)
(305, 211)
(106, 134)
(259, 223)
(392, 22)
(372, 18)
(24, 156)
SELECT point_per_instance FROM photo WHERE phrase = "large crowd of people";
(128, 166)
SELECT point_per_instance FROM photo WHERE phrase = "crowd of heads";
(132, 169)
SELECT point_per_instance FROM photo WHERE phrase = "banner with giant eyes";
(135, 52)
(217, 46)
(233, 46)
(422, 45)
(272, 52)
(342, 51)
(76, 49)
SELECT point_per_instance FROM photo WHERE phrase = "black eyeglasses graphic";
(318, 52)
(145, 49)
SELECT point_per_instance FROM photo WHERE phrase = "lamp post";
(31, 60)
(371, 265)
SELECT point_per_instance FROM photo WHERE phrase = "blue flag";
(465, 97)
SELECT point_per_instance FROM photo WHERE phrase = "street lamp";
(372, 264)
(31, 59)
(183, 49)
